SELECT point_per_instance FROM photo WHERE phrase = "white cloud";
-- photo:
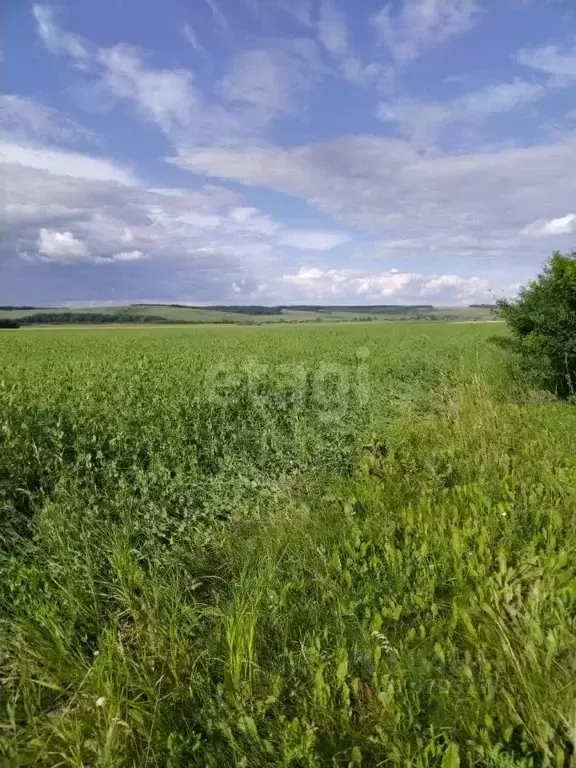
(473, 204)
(499, 97)
(242, 213)
(332, 29)
(62, 163)
(432, 207)
(24, 117)
(422, 121)
(61, 246)
(129, 256)
(199, 220)
(252, 220)
(554, 59)
(418, 24)
(167, 97)
(307, 276)
(563, 225)
(464, 288)
(312, 240)
(269, 79)
(354, 286)
(87, 219)
(256, 78)
(333, 34)
(56, 39)
(190, 36)
(219, 16)
(91, 217)
(299, 10)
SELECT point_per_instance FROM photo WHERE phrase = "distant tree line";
(5, 323)
(89, 318)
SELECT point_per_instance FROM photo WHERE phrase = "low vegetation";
(277, 546)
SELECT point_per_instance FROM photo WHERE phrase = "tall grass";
(270, 577)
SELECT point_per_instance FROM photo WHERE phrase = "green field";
(300, 546)
(181, 314)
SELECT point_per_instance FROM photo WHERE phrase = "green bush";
(543, 321)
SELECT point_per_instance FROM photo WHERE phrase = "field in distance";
(175, 314)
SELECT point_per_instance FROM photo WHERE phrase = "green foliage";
(88, 318)
(206, 559)
(543, 320)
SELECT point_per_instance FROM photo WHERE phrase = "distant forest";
(89, 318)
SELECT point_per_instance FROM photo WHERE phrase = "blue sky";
(277, 151)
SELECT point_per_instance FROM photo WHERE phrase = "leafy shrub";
(543, 321)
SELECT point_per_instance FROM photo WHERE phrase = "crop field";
(299, 546)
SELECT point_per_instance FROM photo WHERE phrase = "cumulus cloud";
(563, 225)
(92, 217)
(61, 246)
(107, 215)
(354, 286)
